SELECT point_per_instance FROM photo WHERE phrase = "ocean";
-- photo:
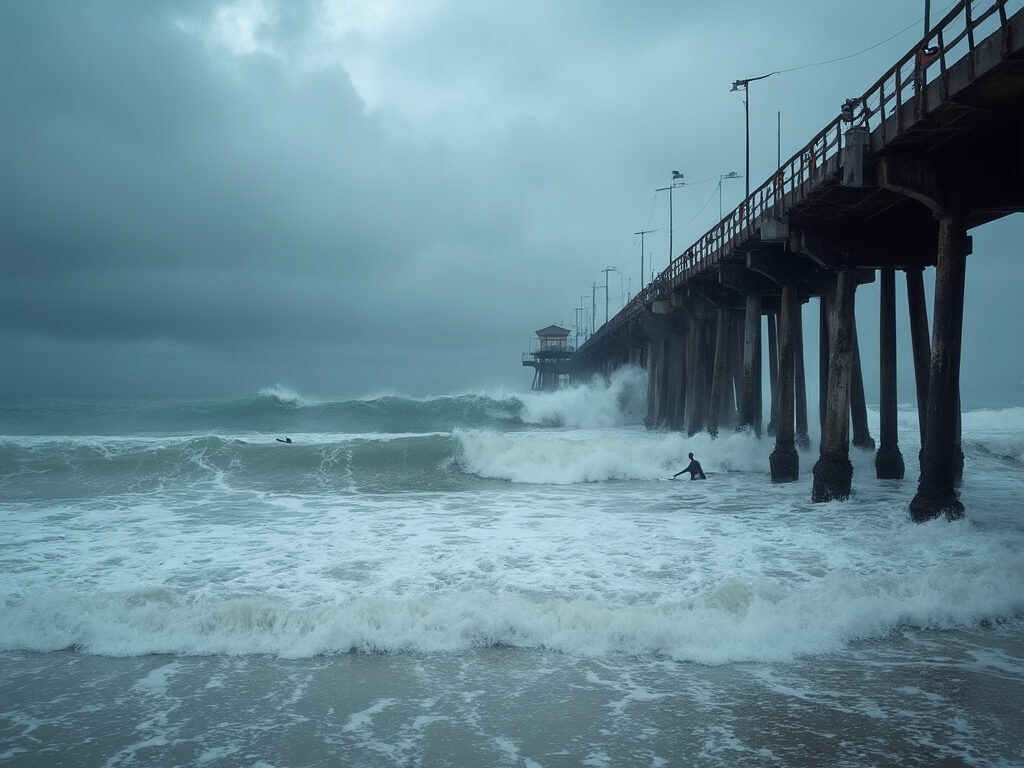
(477, 580)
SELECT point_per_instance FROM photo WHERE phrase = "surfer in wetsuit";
(288, 440)
(696, 473)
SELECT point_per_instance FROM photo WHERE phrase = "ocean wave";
(619, 400)
(582, 456)
(285, 396)
(70, 467)
(275, 410)
(989, 432)
(279, 409)
(735, 620)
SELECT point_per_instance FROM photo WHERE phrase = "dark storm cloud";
(154, 199)
(368, 196)
(144, 156)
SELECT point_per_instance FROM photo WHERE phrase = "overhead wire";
(706, 204)
(654, 200)
(865, 50)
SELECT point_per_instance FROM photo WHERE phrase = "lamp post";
(745, 85)
(606, 270)
(729, 175)
(642, 232)
(677, 181)
(579, 321)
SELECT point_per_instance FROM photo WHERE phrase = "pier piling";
(833, 472)
(750, 410)
(936, 491)
(803, 441)
(718, 380)
(889, 460)
(784, 461)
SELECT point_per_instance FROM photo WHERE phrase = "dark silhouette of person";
(696, 473)
(288, 440)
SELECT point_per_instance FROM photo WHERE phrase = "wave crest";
(734, 620)
(283, 395)
(620, 400)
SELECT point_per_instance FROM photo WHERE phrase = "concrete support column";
(728, 406)
(889, 460)
(758, 393)
(823, 330)
(718, 378)
(803, 442)
(833, 472)
(936, 493)
(698, 397)
(652, 383)
(691, 373)
(784, 462)
(675, 381)
(773, 371)
(918, 311)
(661, 402)
(684, 383)
(750, 411)
(737, 364)
(858, 405)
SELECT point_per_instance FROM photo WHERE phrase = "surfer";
(696, 473)
(288, 440)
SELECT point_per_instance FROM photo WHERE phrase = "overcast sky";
(349, 197)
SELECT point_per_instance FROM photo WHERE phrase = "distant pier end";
(551, 358)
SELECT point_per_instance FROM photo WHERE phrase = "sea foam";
(735, 619)
(620, 400)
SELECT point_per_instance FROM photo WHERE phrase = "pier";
(889, 188)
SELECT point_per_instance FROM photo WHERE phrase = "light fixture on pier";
(677, 181)
(745, 85)
(721, 178)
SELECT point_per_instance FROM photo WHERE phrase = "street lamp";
(642, 232)
(745, 85)
(579, 321)
(677, 181)
(729, 175)
(606, 270)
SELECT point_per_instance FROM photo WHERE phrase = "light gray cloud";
(354, 197)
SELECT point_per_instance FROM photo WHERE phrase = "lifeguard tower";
(551, 358)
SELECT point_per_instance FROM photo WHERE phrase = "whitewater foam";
(733, 620)
(619, 400)
(306, 549)
(565, 457)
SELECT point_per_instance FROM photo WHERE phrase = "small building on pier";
(551, 358)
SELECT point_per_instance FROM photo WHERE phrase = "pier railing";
(905, 84)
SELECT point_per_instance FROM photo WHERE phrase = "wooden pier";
(893, 184)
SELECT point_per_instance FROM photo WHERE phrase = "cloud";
(235, 190)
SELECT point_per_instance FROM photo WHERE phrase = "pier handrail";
(814, 162)
(827, 145)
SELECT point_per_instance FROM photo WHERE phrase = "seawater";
(476, 580)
